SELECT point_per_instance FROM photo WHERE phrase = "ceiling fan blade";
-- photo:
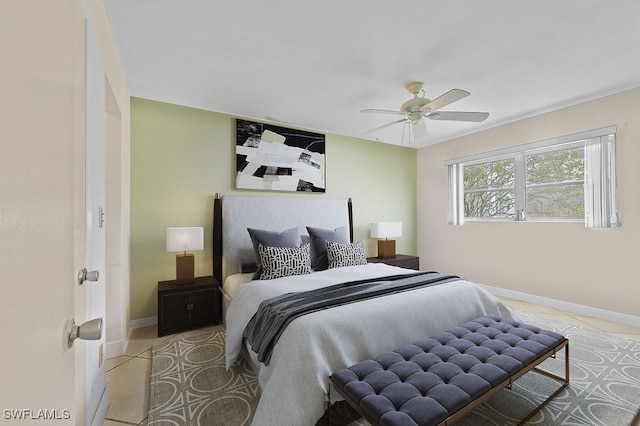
(419, 129)
(384, 111)
(448, 98)
(384, 126)
(458, 116)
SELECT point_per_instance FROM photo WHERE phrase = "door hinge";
(100, 217)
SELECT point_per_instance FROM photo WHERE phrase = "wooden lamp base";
(386, 249)
(184, 268)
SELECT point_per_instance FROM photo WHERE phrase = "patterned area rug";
(190, 386)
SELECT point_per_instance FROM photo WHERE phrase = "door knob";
(90, 330)
(84, 275)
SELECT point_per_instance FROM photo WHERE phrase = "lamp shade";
(386, 229)
(185, 239)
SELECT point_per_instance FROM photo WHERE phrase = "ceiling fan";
(418, 108)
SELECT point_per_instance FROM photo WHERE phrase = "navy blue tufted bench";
(440, 379)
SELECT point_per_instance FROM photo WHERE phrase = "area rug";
(190, 386)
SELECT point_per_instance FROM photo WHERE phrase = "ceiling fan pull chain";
(404, 128)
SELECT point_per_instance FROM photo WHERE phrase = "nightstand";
(186, 306)
(401, 260)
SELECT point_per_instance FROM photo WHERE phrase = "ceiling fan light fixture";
(415, 117)
(416, 109)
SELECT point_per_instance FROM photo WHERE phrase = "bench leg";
(564, 380)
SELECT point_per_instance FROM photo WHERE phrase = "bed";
(294, 380)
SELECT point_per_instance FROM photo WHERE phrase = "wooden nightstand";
(185, 306)
(401, 260)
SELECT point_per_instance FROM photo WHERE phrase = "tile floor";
(128, 375)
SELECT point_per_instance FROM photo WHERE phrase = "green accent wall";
(181, 157)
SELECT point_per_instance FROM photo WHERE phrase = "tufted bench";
(440, 379)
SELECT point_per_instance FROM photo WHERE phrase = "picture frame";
(276, 158)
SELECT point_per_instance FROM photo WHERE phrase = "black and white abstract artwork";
(275, 158)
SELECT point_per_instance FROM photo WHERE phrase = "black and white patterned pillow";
(319, 238)
(286, 238)
(346, 254)
(280, 262)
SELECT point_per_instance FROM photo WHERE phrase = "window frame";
(606, 164)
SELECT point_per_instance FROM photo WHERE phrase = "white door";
(42, 216)
(95, 389)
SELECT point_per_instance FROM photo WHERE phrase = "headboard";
(232, 215)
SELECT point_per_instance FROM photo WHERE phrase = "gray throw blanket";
(273, 315)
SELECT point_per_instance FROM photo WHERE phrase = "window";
(571, 178)
(554, 184)
(489, 189)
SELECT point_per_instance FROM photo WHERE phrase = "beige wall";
(181, 156)
(559, 261)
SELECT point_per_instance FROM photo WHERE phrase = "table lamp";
(182, 240)
(386, 247)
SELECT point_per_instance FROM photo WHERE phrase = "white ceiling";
(316, 64)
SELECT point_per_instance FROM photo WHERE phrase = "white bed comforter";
(315, 345)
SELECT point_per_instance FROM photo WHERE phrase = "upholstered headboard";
(232, 215)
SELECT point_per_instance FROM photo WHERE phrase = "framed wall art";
(275, 158)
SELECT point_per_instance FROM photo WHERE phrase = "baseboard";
(144, 322)
(566, 306)
(114, 349)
